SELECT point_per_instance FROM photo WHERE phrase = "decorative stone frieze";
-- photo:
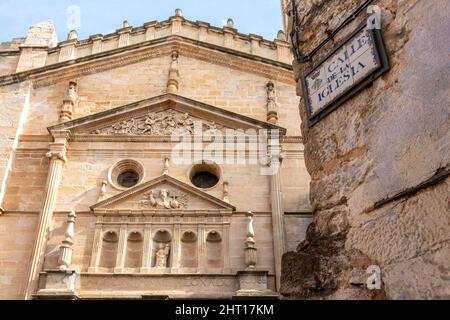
(163, 123)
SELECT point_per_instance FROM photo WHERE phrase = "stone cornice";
(176, 101)
(107, 60)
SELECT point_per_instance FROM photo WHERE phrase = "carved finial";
(272, 106)
(172, 84)
(65, 253)
(281, 35)
(226, 192)
(126, 24)
(73, 35)
(250, 244)
(230, 23)
(178, 13)
(166, 165)
(69, 102)
(103, 191)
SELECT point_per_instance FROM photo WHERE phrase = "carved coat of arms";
(164, 199)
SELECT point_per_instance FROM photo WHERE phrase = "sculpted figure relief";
(161, 255)
(157, 124)
(165, 200)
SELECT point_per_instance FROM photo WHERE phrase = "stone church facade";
(94, 201)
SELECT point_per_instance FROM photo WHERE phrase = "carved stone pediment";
(160, 116)
(162, 123)
(162, 195)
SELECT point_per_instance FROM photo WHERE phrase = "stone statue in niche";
(72, 92)
(272, 105)
(161, 255)
(69, 103)
(165, 200)
(163, 123)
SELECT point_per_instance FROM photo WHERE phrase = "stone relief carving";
(164, 199)
(157, 124)
(161, 255)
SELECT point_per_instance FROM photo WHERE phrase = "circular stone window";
(205, 175)
(126, 174)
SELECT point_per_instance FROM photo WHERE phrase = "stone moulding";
(72, 285)
(85, 126)
(103, 61)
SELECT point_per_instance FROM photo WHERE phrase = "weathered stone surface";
(390, 139)
(323, 269)
(114, 247)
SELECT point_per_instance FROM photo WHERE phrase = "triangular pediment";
(164, 195)
(160, 116)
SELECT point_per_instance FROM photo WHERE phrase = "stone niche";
(161, 227)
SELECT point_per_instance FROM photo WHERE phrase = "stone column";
(201, 246)
(122, 247)
(57, 156)
(176, 245)
(226, 246)
(279, 238)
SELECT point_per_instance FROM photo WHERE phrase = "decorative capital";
(52, 155)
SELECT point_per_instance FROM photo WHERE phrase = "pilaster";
(176, 245)
(148, 249)
(277, 223)
(95, 255)
(226, 246)
(120, 260)
(201, 246)
(57, 156)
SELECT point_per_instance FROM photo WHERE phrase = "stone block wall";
(379, 164)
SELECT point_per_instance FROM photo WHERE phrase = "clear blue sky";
(261, 17)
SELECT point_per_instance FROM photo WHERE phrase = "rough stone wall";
(392, 138)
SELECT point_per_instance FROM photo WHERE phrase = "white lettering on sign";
(343, 70)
